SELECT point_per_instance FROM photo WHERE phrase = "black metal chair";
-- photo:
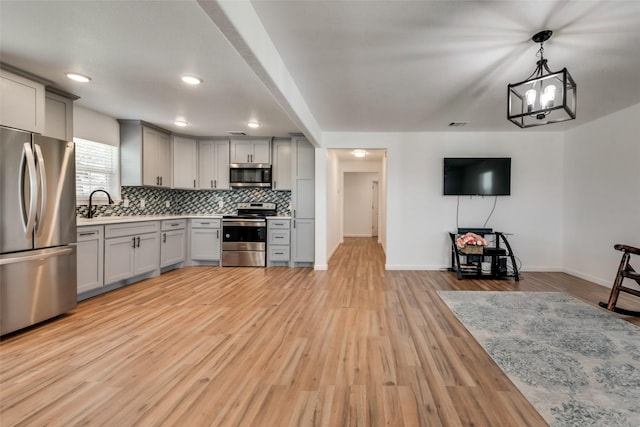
(625, 271)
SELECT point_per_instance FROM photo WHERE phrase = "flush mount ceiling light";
(191, 80)
(359, 153)
(253, 124)
(78, 77)
(181, 123)
(545, 97)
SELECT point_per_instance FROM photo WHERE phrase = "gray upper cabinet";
(282, 164)
(58, 116)
(213, 165)
(145, 154)
(22, 104)
(250, 150)
(185, 162)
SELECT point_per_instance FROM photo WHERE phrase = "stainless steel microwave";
(250, 175)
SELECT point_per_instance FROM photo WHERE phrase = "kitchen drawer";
(89, 233)
(130, 229)
(173, 224)
(205, 223)
(282, 224)
(278, 237)
(278, 253)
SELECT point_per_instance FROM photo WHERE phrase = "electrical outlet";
(167, 204)
(142, 203)
(220, 204)
(125, 203)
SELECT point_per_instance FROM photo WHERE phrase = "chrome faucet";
(92, 208)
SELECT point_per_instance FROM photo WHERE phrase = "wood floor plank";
(351, 346)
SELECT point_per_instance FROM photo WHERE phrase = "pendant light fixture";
(545, 97)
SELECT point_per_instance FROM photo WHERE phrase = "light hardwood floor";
(351, 346)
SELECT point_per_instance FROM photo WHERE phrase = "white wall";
(358, 218)
(418, 216)
(602, 194)
(94, 126)
(334, 203)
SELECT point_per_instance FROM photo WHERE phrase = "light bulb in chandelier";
(550, 95)
(531, 98)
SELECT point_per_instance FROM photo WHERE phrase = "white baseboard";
(358, 235)
(596, 280)
(412, 267)
(321, 267)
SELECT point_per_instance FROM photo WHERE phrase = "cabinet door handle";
(133, 239)
(294, 213)
(138, 240)
(275, 184)
(294, 223)
(164, 238)
(217, 234)
(160, 180)
(215, 183)
(212, 184)
(194, 183)
(88, 233)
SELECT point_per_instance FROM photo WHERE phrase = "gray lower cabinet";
(204, 237)
(173, 242)
(304, 241)
(90, 244)
(130, 250)
(278, 242)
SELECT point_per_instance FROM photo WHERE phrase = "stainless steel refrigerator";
(37, 229)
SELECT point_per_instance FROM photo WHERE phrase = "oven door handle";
(244, 223)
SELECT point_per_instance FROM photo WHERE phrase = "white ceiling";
(359, 65)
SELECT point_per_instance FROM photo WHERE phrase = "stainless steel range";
(244, 236)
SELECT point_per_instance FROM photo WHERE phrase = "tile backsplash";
(188, 201)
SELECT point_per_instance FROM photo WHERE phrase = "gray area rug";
(578, 365)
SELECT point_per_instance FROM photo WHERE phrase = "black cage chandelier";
(545, 97)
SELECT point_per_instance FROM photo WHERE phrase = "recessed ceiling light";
(181, 123)
(191, 80)
(253, 124)
(359, 153)
(78, 77)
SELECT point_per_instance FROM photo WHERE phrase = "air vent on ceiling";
(458, 124)
(236, 133)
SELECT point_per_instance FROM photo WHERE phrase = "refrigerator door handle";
(28, 162)
(43, 184)
(49, 253)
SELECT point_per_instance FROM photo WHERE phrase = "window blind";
(96, 169)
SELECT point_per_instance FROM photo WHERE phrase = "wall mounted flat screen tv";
(477, 176)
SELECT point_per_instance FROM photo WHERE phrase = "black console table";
(496, 255)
